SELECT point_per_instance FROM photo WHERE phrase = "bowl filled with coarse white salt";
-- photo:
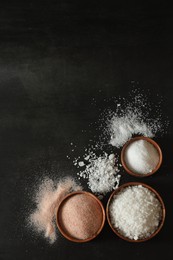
(141, 156)
(80, 216)
(135, 212)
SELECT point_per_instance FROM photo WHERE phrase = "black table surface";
(60, 65)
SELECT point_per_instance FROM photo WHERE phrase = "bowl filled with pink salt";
(80, 216)
(141, 156)
(135, 212)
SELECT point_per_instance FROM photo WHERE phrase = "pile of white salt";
(122, 128)
(101, 172)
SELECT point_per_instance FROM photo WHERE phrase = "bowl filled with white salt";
(141, 156)
(135, 212)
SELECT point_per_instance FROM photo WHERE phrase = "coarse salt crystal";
(135, 212)
(87, 158)
(101, 172)
(81, 163)
(111, 156)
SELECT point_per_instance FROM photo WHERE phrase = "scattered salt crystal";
(87, 158)
(118, 177)
(135, 212)
(111, 157)
(124, 127)
(101, 173)
(134, 117)
(81, 163)
(141, 157)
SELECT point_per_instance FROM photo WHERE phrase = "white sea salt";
(101, 173)
(141, 157)
(135, 212)
(124, 127)
(136, 116)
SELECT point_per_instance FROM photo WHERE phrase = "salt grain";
(81, 163)
(135, 212)
(87, 158)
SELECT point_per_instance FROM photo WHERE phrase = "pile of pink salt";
(47, 199)
(80, 216)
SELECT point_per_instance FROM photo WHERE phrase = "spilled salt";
(81, 163)
(135, 116)
(101, 173)
(47, 199)
(141, 157)
(124, 127)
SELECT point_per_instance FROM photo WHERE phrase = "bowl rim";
(67, 236)
(148, 140)
(157, 196)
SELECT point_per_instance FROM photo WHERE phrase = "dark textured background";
(55, 58)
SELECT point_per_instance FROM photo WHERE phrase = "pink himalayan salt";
(47, 200)
(80, 216)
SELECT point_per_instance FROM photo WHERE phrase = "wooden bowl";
(59, 223)
(123, 156)
(116, 231)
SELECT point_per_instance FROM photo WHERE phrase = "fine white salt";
(124, 127)
(101, 172)
(141, 157)
(135, 212)
(136, 116)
